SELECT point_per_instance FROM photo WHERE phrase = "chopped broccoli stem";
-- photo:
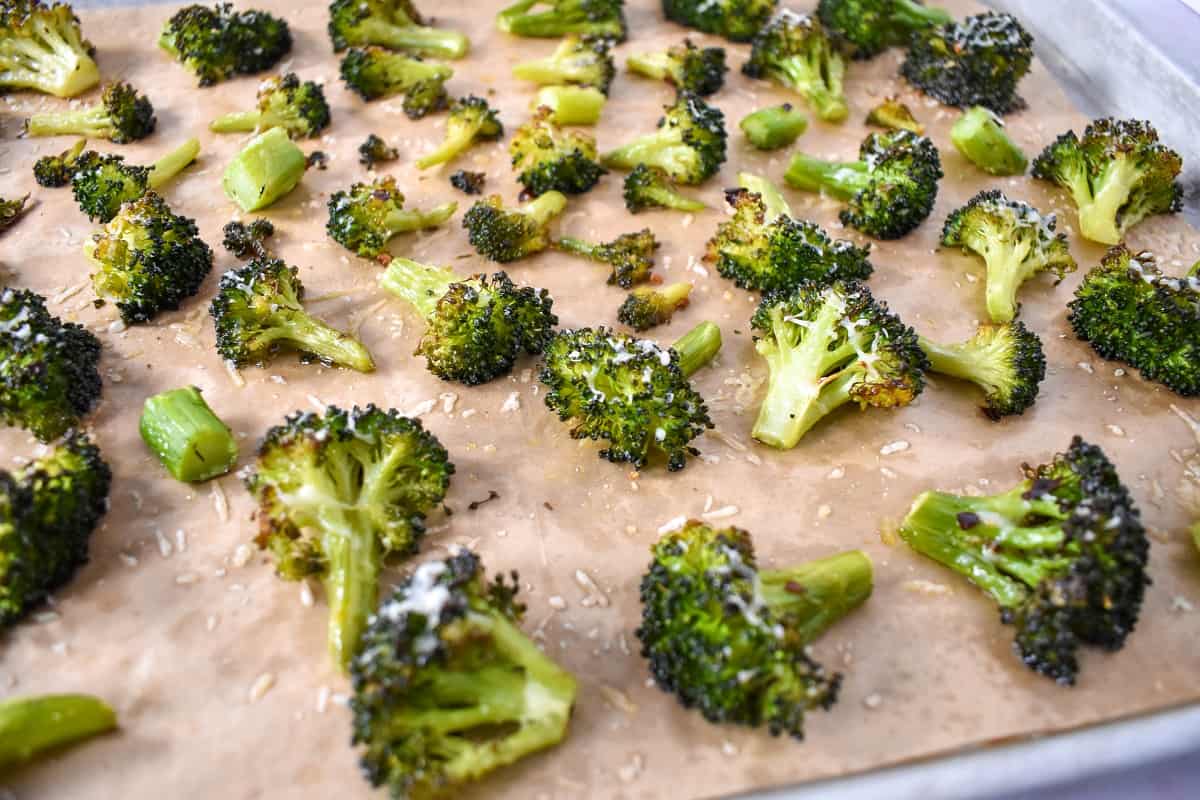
(812, 596)
(188, 438)
(980, 136)
(774, 127)
(266, 169)
(774, 203)
(697, 347)
(173, 163)
(393, 24)
(571, 105)
(30, 726)
(842, 180)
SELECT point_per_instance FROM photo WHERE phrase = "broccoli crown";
(546, 157)
(468, 182)
(865, 28)
(794, 51)
(297, 107)
(447, 688)
(776, 254)
(685, 66)
(219, 43)
(1015, 241)
(394, 24)
(977, 61)
(893, 114)
(54, 171)
(43, 49)
(373, 72)
(730, 640)
(737, 20)
(339, 492)
(629, 393)
(631, 255)
(375, 150)
(578, 60)
(103, 183)
(471, 120)
(48, 368)
(48, 510)
(827, 344)
(689, 143)
(599, 18)
(123, 116)
(1118, 174)
(11, 211)
(505, 235)
(1129, 311)
(1006, 361)
(651, 187)
(365, 217)
(248, 241)
(647, 307)
(1063, 554)
(148, 259)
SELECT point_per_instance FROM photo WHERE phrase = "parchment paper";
(219, 670)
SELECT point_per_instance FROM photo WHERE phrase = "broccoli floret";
(339, 493)
(219, 43)
(794, 51)
(979, 135)
(598, 18)
(689, 143)
(1129, 311)
(826, 345)
(1014, 240)
(1118, 174)
(649, 306)
(248, 241)
(373, 72)
(577, 61)
(546, 157)
(731, 640)
(11, 211)
(630, 255)
(572, 105)
(976, 62)
(865, 28)
(1006, 361)
(48, 510)
(375, 150)
(505, 235)
(43, 49)
(48, 368)
(258, 310)
(55, 171)
(471, 120)
(761, 251)
(774, 127)
(447, 688)
(365, 217)
(283, 102)
(123, 116)
(103, 183)
(651, 187)
(684, 66)
(894, 115)
(148, 259)
(394, 24)
(889, 191)
(736, 20)
(468, 182)
(1063, 554)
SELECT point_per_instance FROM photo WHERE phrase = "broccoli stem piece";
(1115, 183)
(173, 163)
(697, 347)
(421, 285)
(572, 105)
(840, 179)
(266, 169)
(237, 122)
(775, 127)
(815, 595)
(458, 138)
(961, 360)
(437, 42)
(30, 726)
(309, 335)
(352, 578)
(94, 121)
(774, 202)
(188, 438)
(979, 135)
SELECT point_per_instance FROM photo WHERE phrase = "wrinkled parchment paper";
(219, 670)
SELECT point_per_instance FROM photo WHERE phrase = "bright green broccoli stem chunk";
(30, 726)
(188, 438)
(809, 598)
(238, 122)
(697, 347)
(421, 285)
(774, 127)
(173, 163)
(572, 105)
(980, 136)
(775, 204)
(843, 180)
(266, 169)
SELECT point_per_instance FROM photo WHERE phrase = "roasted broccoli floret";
(11, 211)
(827, 345)
(123, 116)
(43, 49)
(1129, 311)
(546, 157)
(1014, 240)
(1063, 554)
(684, 66)
(652, 187)
(1118, 174)
(468, 182)
(48, 368)
(976, 62)
(375, 150)
(737, 20)
(365, 217)
(647, 307)
(219, 43)
(394, 24)
(258, 311)
(731, 640)
(577, 61)
(794, 51)
(148, 259)
(774, 127)
(1006, 361)
(283, 102)
(630, 255)
(373, 72)
(630, 393)
(598, 18)
(503, 235)
(248, 241)
(894, 115)
(980, 136)
(471, 121)
(475, 327)
(865, 28)
(102, 183)
(889, 191)
(689, 143)
(339, 493)
(48, 510)
(55, 171)
(447, 688)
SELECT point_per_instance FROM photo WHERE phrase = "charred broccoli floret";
(774, 127)
(577, 61)
(546, 157)
(598, 18)
(375, 150)
(54, 171)
(471, 120)
(889, 191)
(1006, 361)
(103, 183)
(447, 688)
(630, 255)
(365, 217)
(468, 182)
(339, 493)
(794, 51)
(1118, 174)
(980, 136)
(689, 143)
(123, 116)
(700, 71)
(43, 49)
(258, 310)
(283, 102)
(1015, 241)
(865, 28)
(731, 640)
(247, 241)
(219, 43)
(737, 20)
(651, 187)
(503, 235)
(373, 72)
(827, 345)
(12, 210)
(48, 368)
(394, 24)
(1063, 554)
(894, 115)
(647, 307)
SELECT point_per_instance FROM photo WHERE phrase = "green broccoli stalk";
(123, 116)
(689, 143)
(548, 158)
(572, 105)
(471, 120)
(268, 168)
(31, 726)
(192, 443)
(794, 51)
(895, 115)
(503, 235)
(865, 28)
(364, 218)
(774, 127)
(647, 307)
(103, 183)
(651, 187)
(11, 211)
(630, 255)
(700, 71)
(373, 72)
(736, 20)
(55, 171)
(283, 102)
(576, 61)
(219, 43)
(1006, 361)
(394, 24)
(43, 49)
(980, 136)
(596, 18)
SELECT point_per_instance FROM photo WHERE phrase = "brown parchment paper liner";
(219, 670)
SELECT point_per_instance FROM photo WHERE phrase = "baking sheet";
(218, 669)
